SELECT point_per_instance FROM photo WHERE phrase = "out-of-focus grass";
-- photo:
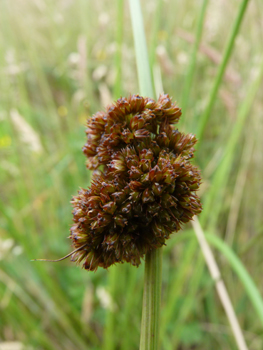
(59, 63)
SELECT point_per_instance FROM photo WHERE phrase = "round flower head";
(145, 188)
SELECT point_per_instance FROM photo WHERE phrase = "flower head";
(145, 188)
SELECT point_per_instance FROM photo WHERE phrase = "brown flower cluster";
(145, 187)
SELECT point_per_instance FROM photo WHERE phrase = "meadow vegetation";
(62, 61)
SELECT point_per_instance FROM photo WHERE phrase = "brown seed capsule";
(146, 188)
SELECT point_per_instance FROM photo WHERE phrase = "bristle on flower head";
(146, 189)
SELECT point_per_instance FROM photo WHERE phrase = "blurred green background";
(62, 61)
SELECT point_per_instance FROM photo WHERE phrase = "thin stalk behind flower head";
(153, 261)
(142, 61)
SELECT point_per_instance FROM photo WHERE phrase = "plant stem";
(153, 261)
(142, 61)
(151, 300)
(221, 70)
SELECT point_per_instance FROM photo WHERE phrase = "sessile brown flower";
(144, 187)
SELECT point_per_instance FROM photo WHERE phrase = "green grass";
(48, 54)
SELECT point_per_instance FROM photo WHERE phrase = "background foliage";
(62, 61)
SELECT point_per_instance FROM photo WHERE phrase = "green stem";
(221, 70)
(153, 261)
(151, 300)
(142, 61)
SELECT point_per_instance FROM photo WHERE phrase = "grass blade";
(240, 270)
(221, 70)
(142, 61)
(221, 177)
(220, 286)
